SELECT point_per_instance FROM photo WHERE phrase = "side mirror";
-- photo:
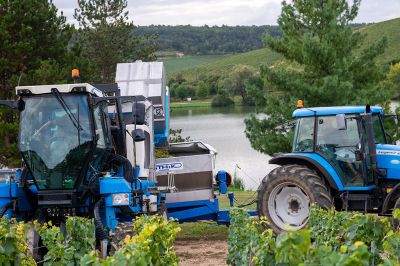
(138, 135)
(19, 104)
(341, 122)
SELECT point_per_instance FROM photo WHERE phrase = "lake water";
(223, 128)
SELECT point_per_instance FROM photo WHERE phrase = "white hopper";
(147, 79)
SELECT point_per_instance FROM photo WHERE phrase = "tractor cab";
(339, 135)
(64, 137)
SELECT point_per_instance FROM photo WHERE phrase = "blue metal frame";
(112, 185)
(162, 137)
(388, 157)
(192, 211)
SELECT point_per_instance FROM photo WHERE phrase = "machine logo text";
(169, 166)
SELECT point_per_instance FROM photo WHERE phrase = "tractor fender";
(314, 164)
(393, 195)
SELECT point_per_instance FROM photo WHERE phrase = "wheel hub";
(288, 206)
(294, 205)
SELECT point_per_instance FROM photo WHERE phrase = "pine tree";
(324, 66)
(32, 37)
(107, 37)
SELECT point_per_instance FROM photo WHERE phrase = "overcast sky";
(228, 12)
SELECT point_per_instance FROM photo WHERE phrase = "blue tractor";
(341, 158)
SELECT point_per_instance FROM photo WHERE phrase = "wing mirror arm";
(18, 104)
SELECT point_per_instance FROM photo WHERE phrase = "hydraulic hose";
(100, 234)
(5, 208)
(128, 169)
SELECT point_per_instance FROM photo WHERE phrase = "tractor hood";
(388, 157)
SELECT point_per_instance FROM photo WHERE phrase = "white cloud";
(376, 11)
(228, 12)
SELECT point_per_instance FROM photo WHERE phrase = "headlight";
(120, 199)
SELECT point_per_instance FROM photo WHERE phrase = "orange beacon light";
(75, 73)
(300, 104)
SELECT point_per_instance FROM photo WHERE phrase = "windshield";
(52, 146)
(304, 135)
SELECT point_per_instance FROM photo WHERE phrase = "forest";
(209, 40)
(201, 40)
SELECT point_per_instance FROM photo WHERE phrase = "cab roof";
(334, 110)
(62, 88)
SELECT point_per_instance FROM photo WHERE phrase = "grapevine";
(151, 244)
(331, 238)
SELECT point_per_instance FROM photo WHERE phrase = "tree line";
(209, 40)
(203, 40)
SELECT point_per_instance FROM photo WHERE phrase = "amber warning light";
(299, 104)
(75, 73)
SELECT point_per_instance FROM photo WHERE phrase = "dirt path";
(201, 252)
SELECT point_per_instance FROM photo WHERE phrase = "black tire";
(122, 230)
(396, 223)
(34, 244)
(292, 176)
(163, 211)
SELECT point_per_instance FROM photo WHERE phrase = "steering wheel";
(328, 150)
(57, 138)
(304, 144)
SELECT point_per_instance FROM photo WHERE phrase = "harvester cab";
(341, 158)
(61, 134)
(68, 140)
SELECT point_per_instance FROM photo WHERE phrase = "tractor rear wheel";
(286, 194)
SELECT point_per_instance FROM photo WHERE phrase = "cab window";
(304, 135)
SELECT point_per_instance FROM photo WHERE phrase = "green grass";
(241, 196)
(223, 66)
(390, 29)
(204, 230)
(175, 64)
(209, 230)
(192, 103)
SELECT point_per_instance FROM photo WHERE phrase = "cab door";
(342, 148)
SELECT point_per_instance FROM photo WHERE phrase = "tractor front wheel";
(286, 194)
